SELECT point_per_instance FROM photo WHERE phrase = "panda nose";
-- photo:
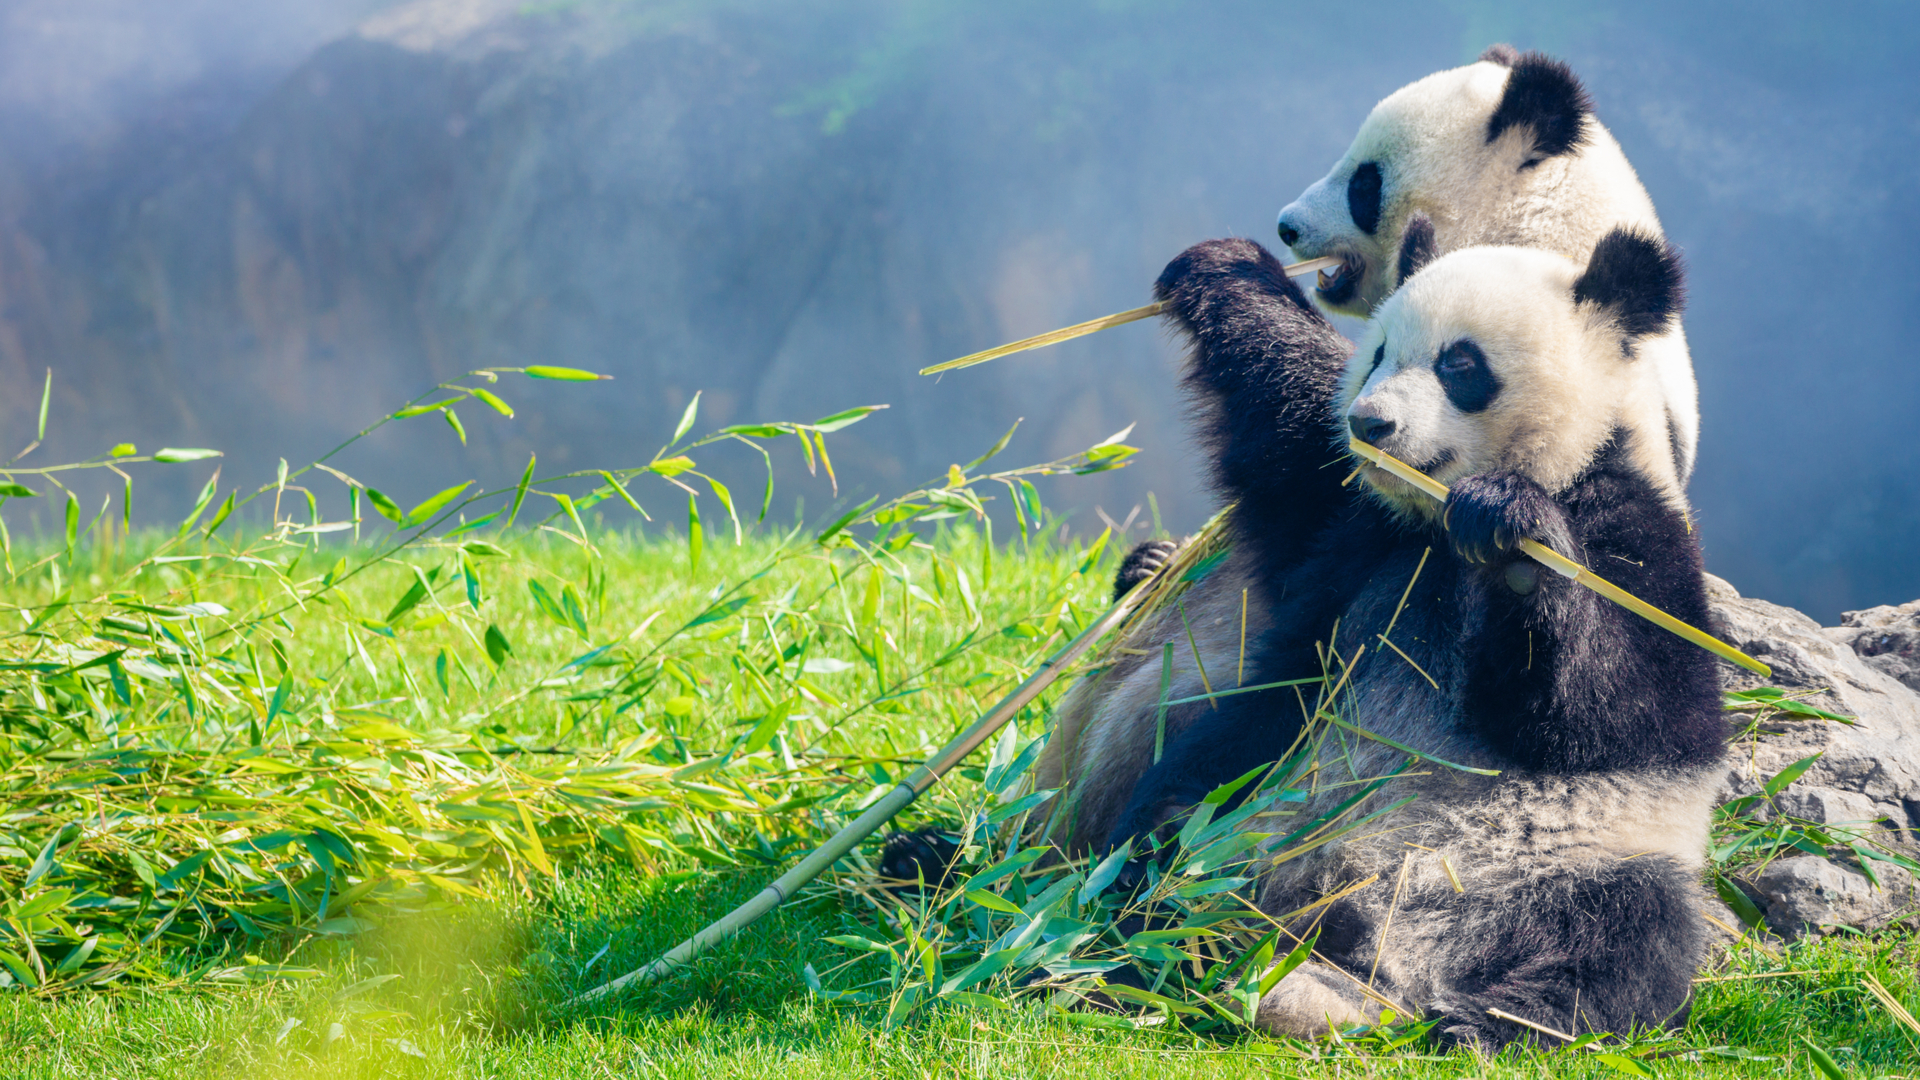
(1288, 234)
(1369, 429)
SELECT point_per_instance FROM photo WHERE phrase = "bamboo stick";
(1566, 567)
(1068, 333)
(909, 789)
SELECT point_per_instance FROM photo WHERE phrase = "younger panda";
(1503, 151)
(1517, 377)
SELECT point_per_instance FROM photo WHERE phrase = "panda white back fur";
(1516, 376)
(1503, 151)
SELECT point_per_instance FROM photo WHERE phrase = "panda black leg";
(1142, 563)
(923, 855)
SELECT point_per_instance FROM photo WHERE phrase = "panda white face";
(1493, 359)
(1467, 148)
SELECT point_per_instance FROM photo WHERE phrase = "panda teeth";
(1327, 280)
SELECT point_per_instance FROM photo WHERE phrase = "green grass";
(382, 807)
(480, 985)
(474, 993)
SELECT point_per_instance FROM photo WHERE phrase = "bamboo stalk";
(916, 783)
(1566, 567)
(1068, 333)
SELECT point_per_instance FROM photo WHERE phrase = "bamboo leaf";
(1621, 1064)
(171, 454)
(497, 648)
(686, 419)
(471, 574)
(672, 466)
(520, 491)
(695, 541)
(200, 503)
(848, 418)
(386, 507)
(220, 516)
(432, 506)
(120, 450)
(1271, 978)
(995, 450)
(562, 374)
(493, 400)
(726, 499)
(574, 610)
(453, 420)
(73, 522)
(46, 396)
(1789, 774)
(621, 490)
(17, 491)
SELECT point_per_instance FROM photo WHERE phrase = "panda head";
(1455, 146)
(1501, 358)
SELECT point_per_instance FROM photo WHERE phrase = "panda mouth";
(1339, 284)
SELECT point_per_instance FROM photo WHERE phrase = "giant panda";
(1502, 151)
(1518, 377)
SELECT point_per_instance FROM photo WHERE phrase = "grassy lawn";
(277, 807)
(481, 994)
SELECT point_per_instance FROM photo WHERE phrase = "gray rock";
(1867, 778)
(1888, 637)
(1807, 894)
(1877, 758)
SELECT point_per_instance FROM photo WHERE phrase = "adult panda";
(1518, 377)
(1502, 151)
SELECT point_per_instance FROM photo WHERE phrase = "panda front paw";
(909, 858)
(1487, 516)
(1142, 563)
(1215, 277)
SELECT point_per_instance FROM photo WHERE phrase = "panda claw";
(907, 859)
(1142, 563)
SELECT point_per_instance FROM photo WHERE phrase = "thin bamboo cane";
(916, 783)
(1566, 567)
(1068, 333)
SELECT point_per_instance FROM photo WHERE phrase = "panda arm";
(1558, 677)
(1265, 369)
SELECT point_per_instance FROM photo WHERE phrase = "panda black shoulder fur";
(1515, 376)
(1503, 151)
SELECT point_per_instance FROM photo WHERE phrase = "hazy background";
(257, 224)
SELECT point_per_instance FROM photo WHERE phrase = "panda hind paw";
(909, 858)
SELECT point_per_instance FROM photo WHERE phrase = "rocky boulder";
(1866, 780)
(1887, 636)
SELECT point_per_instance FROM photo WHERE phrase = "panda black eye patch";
(1379, 354)
(1466, 377)
(1363, 197)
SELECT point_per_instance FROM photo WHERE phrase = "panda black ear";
(1543, 94)
(1417, 246)
(1501, 53)
(1638, 277)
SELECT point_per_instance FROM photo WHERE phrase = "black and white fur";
(1517, 377)
(1503, 151)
